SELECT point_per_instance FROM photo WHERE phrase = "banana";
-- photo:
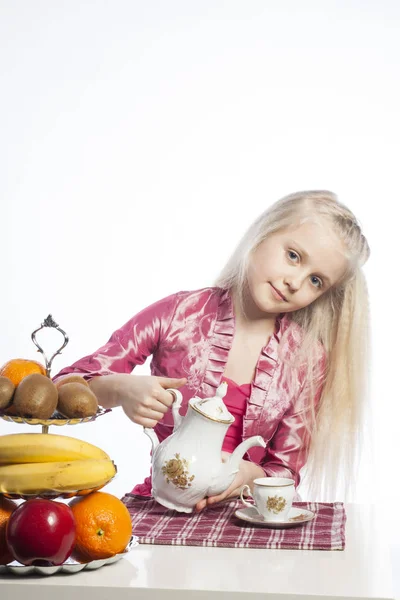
(19, 448)
(65, 476)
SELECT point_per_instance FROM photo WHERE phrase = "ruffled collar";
(221, 343)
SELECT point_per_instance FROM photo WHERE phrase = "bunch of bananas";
(35, 463)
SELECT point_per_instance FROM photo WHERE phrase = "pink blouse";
(189, 334)
(235, 401)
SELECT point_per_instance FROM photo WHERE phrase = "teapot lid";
(214, 408)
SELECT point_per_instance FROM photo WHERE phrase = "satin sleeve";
(287, 450)
(128, 346)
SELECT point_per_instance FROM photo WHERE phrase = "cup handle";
(176, 406)
(248, 493)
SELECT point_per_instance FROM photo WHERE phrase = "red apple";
(41, 532)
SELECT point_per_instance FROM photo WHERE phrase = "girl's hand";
(248, 471)
(144, 399)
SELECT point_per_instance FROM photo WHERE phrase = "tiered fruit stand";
(71, 565)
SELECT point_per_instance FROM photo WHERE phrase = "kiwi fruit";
(7, 389)
(76, 400)
(35, 397)
(71, 379)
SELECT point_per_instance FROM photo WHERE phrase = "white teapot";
(187, 466)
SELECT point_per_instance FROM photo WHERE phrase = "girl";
(286, 325)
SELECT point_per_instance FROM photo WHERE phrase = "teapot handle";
(176, 406)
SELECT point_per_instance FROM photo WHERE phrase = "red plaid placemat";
(218, 526)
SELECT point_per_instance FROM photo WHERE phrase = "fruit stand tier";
(57, 419)
(70, 566)
(16, 372)
(53, 495)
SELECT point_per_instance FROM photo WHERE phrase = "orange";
(103, 526)
(18, 368)
(6, 508)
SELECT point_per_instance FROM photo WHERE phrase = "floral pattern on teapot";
(176, 471)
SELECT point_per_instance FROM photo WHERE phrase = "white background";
(140, 139)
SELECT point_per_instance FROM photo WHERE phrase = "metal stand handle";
(49, 322)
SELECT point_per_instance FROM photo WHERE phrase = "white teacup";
(273, 497)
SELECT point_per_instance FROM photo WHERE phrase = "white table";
(363, 571)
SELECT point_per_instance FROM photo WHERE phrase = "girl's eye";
(316, 281)
(293, 255)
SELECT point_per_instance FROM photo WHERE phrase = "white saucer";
(296, 516)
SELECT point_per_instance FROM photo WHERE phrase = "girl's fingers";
(150, 413)
(149, 423)
(201, 505)
(146, 417)
(157, 405)
(151, 403)
(171, 382)
(214, 499)
(164, 397)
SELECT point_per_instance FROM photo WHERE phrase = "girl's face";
(294, 267)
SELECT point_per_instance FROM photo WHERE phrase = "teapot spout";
(153, 437)
(227, 473)
(234, 460)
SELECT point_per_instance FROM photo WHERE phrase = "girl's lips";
(277, 294)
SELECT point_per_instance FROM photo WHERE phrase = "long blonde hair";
(339, 320)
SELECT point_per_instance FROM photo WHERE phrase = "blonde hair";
(339, 320)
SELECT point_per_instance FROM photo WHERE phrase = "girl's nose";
(293, 283)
